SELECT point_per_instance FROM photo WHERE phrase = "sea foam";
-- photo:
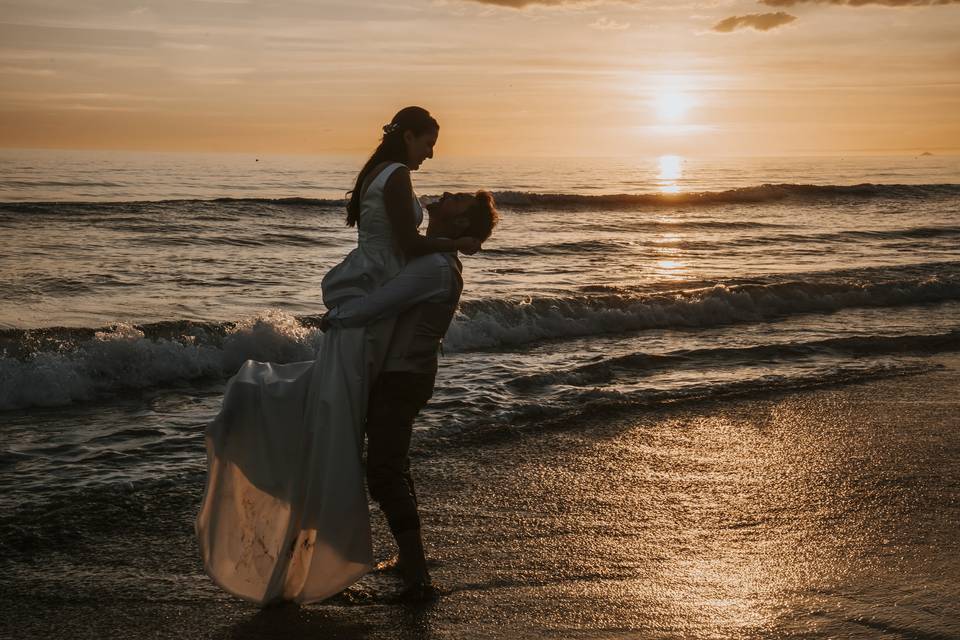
(123, 358)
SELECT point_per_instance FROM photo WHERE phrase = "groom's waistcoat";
(419, 330)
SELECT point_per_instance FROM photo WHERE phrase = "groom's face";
(448, 214)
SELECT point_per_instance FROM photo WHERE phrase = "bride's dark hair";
(392, 148)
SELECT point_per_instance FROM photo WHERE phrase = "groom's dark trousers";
(403, 387)
(395, 401)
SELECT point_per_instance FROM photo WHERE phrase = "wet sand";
(829, 512)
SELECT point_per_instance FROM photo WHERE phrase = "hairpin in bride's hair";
(390, 128)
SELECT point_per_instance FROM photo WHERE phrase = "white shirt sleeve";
(426, 278)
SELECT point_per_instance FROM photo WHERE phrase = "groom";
(425, 294)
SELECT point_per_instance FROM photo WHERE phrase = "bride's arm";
(398, 201)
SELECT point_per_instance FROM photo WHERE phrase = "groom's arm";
(420, 280)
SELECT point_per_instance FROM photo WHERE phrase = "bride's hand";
(467, 245)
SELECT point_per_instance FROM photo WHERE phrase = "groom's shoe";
(422, 593)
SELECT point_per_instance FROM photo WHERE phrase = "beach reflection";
(716, 526)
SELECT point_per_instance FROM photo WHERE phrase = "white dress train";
(285, 514)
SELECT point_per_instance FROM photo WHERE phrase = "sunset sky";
(504, 77)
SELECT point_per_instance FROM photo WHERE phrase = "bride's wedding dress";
(284, 514)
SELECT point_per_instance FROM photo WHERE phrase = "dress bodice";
(376, 258)
(373, 225)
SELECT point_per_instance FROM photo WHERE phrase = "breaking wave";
(757, 194)
(484, 324)
(744, 195)
(59, 366)
(55, 367)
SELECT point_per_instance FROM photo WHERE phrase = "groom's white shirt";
(428, 278)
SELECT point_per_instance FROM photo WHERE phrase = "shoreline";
(822, 512)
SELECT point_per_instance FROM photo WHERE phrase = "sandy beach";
(829, 512)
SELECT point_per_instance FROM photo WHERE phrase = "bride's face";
(419, 148)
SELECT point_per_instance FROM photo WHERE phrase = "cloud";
(520, 4)
(606, 24)
(860, 3)
(758, 21)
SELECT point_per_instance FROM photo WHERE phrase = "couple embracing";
(284, 515)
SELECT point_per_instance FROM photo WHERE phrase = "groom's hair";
(483, 216)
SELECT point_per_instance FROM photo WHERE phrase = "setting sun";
(672, 106)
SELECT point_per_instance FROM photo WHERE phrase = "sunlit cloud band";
(860, 3)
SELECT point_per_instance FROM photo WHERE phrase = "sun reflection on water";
(670, 255)
(669, 269)
(671, 167)
(671, 170)
(671, 265)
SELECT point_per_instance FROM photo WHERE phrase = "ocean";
(132, 285)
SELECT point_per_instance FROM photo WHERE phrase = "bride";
(284, 515)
